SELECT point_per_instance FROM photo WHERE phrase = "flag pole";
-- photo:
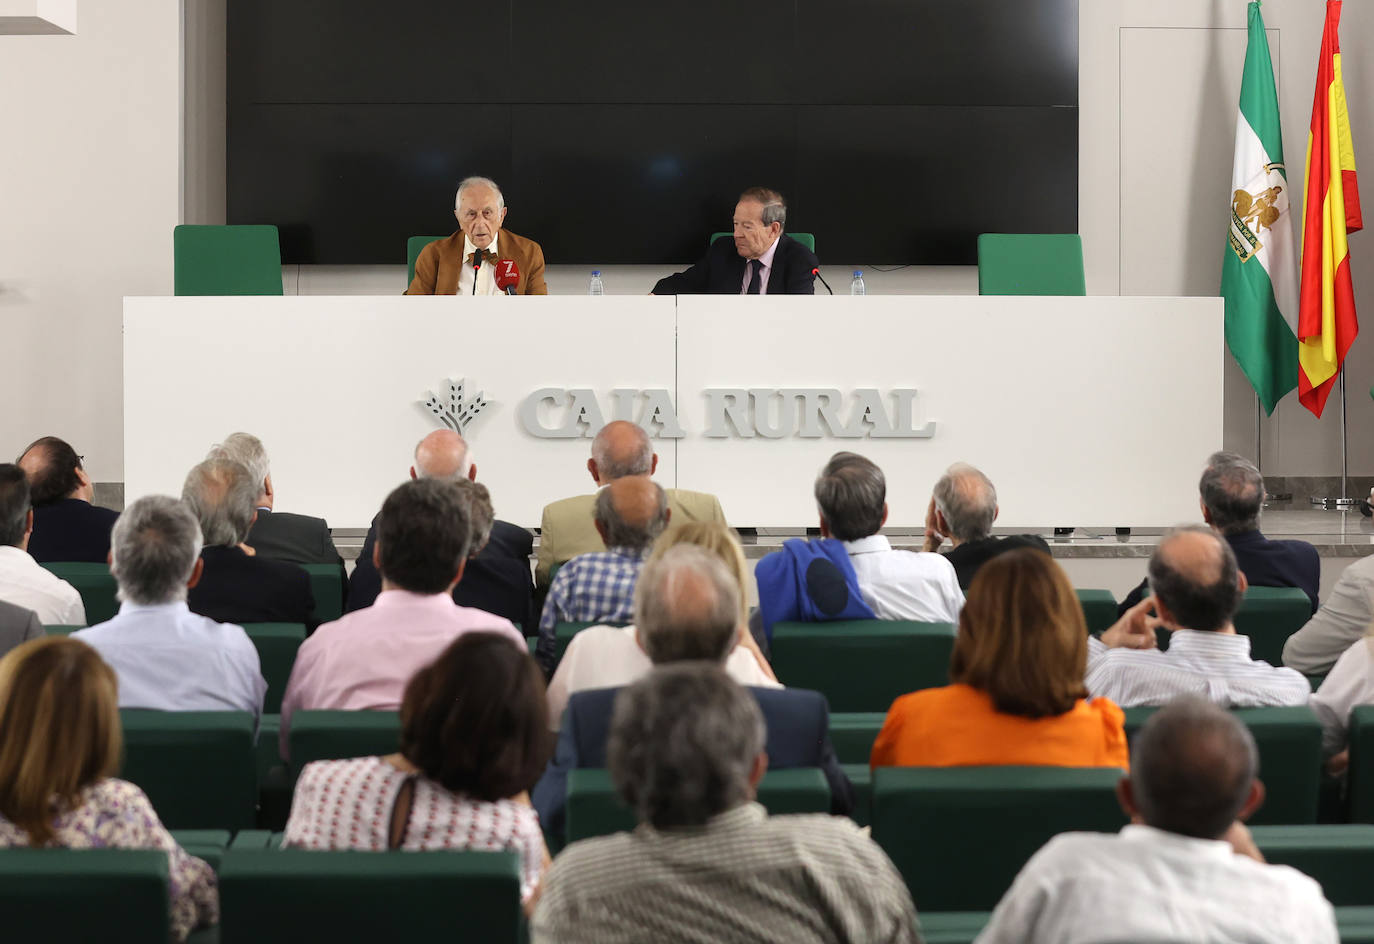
(1344, 502)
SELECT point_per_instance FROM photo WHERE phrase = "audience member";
(611, 656)
(1197, 589)
(706, 863)
(165, 656)
(1231, 493)
(599, 586)
(962, 508)
(67, 526)
(1349, 684)
(1339, 624)
(497, 578)
(687, 609)
(17, 625)
(1017, 671)
(473, 741)
(276, 535)
(60, 744)
(237, 586)
(23, 581)
(1185, 869)
(365, 659)
(567, 527)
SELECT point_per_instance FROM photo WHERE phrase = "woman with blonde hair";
(612, 656)
(60, 743)
(1017, 671)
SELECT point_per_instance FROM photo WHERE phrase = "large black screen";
(621, 132)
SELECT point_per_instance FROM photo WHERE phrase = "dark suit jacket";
(17, 625)
(70, 529)
(296, 539)
(496, 580)
(798, 723)
(237, 588)
(971, 555)
(722, 271)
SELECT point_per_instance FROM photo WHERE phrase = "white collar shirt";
(486, 276)
(24, 582)
(1216, 666)
(765, 269)
(905, 585)
(171, 659)
(1350, 683)
(1147, 885)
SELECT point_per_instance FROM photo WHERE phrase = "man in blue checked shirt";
(600, 587)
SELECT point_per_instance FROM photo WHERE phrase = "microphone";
(507, 276)
(476, 265)
(817, 273)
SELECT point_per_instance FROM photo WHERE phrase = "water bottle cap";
(596, 273)
(858, 273)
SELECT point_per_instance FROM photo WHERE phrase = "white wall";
(89, 193)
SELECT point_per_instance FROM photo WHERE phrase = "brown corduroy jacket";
(441, 263)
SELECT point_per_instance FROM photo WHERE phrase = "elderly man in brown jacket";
(445, 266)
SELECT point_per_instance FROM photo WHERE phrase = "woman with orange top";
(1018, 695)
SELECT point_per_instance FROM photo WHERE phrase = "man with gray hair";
(237, 586)
(707, 863)
(962, 509)
(277, 535)
(1197, 589)
(1185, 868)
(631, 513)
(165, 656)
(481, 257)
(620, 448)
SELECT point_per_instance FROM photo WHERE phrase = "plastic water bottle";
(597, 288)
(856, 287)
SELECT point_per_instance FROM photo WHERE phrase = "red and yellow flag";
(1326, 296)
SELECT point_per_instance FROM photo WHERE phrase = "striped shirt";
(597, 587)
(1216, 666)
(744, 876)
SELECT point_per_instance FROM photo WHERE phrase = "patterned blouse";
(115, 814)
(347, 804)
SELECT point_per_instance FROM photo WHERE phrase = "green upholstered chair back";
(853, 734)
(564, 632)
(277, 644)
(1099, 609)
(1030, 264)
(413, 246)
(226, 260)
(95, 584)
(806, 239)
(60, 630)
(115, 896)
(959, 835)
(1269, 615)
(286, 896)
(327, 584)
(1360, 785)
(594, 808)
(1290, 750)
(862, 665)
(197, 767)
(1340, 857)
(334, 735)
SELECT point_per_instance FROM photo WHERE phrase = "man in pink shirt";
(365, 659)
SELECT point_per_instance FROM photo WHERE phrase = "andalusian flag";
(1259, 276)
(1326, 307)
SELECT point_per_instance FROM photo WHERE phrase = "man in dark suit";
(66, 525)
(497, 580)
(962, 508)
(759, 260)
(687, 609)
(237, 586)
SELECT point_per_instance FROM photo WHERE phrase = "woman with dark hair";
(1017, 695)
(474, 739)
(60, 742)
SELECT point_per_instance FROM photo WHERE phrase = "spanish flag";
(1326, 296)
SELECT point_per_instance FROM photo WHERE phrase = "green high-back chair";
(1030, 264)
(1099, 609)
(328, 583)
(334, 735)
(198, 768)
(1340, 857)
(94, 582)
(226, 260)
(277, 645)
(806, 239)
(1360, 783)
(413, 246)
(116, 896)
(1269, 615)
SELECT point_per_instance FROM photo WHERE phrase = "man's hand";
(933, 538)
(1135, 630)
(1241, 841)
(1338, 764)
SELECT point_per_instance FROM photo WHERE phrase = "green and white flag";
(1259, 279)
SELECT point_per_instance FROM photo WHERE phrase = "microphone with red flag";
(507, 276)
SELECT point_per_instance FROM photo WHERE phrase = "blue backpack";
(809, 581)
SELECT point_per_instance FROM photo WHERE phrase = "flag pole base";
(1340, 504)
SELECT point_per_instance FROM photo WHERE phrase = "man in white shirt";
(23, 581)
(1185, 869)
(165, 656)
(851, 494)
(1197, 588)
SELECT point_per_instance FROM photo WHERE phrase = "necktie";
(755, 268)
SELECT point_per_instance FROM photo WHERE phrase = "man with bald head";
(67, 525)
(1197, 589)
(962, 509)
(466, 262)
(620, 448)
(497, 578)
(631, 512)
